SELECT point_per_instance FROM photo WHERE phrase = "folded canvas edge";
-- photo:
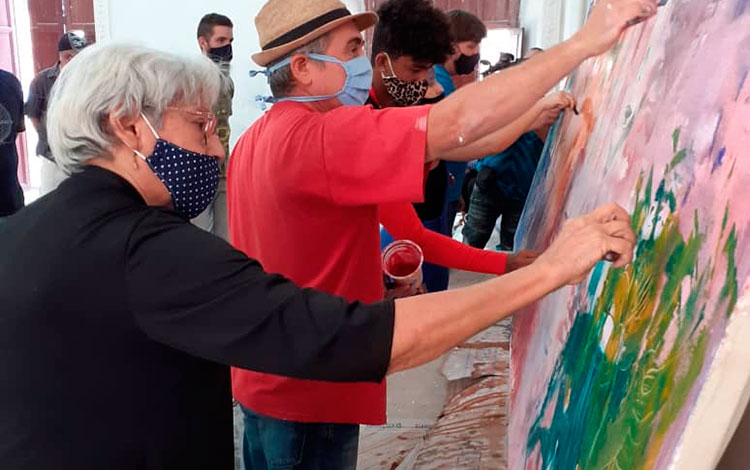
(722, 400)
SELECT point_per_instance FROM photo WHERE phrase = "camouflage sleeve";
(223, 111)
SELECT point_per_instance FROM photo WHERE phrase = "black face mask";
(465, 64)
(432, 100)
(221, 54)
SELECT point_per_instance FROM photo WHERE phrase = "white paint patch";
(609, 327)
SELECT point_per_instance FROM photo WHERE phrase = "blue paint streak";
(596, 276)
(719, 159)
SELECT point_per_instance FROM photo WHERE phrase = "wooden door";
(7, 43)
(50, 18)
(79, 15)
(494, 13)
(47, 25)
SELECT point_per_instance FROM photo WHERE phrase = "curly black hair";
(413, 28)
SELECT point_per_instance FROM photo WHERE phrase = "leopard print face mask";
(402, 92)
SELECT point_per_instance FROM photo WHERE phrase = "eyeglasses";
(209, 128)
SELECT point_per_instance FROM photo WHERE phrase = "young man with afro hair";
(411, 37)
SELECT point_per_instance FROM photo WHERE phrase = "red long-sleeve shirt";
(401, 221)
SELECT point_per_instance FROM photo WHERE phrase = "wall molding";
(102, 23)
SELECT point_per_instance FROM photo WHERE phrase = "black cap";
(70, 42)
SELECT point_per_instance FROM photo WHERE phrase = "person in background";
(409, 40)
(11, 124)
(215, 38)
(306, 179)
(69, 45)
(120, 318)
(504, 180)
(467, 32)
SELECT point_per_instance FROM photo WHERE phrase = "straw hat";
(285, 25)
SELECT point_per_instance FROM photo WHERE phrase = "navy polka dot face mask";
(191, 178)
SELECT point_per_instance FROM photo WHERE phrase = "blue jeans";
(271, 443)
(488, 203)
(436, 277)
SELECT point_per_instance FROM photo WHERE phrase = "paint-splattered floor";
(450, 414)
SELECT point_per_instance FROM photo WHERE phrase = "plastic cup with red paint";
(402, 265)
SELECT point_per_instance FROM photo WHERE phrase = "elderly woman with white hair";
(119, 319)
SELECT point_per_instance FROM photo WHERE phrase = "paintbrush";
(611, 256)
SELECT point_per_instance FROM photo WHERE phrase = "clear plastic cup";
(402, 266)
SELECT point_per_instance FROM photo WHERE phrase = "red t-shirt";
(303, 195)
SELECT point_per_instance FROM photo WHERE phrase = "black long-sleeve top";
(118, 322)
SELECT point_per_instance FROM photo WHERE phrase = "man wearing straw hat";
(305, 181)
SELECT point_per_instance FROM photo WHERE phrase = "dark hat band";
(306, 28)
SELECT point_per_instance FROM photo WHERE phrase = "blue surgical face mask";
(356, 88)
(191, 178)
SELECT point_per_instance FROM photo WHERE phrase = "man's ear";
(381, 62)
(203, 44)
(384, 64)
(300, 68)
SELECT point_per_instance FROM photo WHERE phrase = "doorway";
(29, 32)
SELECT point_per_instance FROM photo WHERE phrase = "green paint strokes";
(725, 220)
(678, 158)
(679, 155)
(613, 406)
(729, 291)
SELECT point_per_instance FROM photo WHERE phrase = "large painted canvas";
(645, 367)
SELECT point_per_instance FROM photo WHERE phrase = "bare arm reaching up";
(504, 137)
(479, 109)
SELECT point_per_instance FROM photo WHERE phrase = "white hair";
(120, 80)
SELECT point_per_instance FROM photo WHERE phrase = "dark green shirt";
(36, 105)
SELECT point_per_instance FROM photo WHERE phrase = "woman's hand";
(587, 240)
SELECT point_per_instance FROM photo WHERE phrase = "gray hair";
(122, 81)
(281, 80)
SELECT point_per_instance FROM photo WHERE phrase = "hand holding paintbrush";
(609, 18)
(604, 234)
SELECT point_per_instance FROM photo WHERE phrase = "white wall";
(355, 6)
(171, 25)
(548, 22)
